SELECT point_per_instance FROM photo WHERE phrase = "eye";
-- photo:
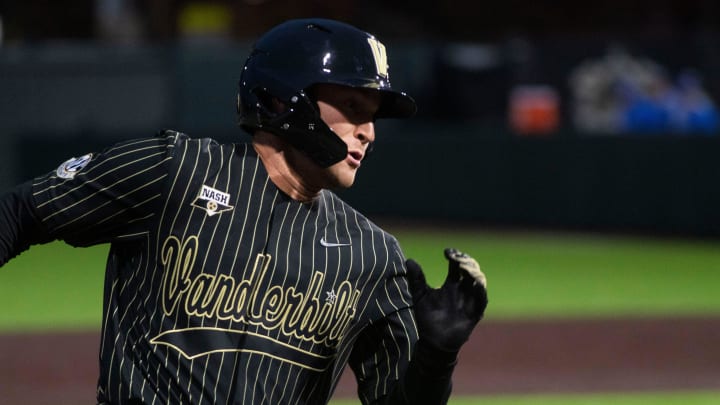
(357, 111)
(351, 106)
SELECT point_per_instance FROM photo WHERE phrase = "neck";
(278, 157)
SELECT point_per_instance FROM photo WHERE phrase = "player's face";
(350, 114)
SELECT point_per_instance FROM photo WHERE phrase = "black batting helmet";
(297, 54)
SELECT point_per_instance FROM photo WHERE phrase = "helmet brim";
(396, 104)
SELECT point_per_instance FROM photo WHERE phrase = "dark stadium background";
(75, 76)
(78, 75)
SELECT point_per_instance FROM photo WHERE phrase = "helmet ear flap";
(300, 124)
(266, 107)
(270, 104)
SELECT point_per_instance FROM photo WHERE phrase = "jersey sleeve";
(391, 362)
(19, 228)
(381, 355)
(98, 197)
(383, 350)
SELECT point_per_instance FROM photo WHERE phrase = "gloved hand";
(446, 316)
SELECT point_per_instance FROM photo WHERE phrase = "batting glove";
(446, 316)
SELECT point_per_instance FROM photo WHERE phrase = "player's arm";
(381, 354)
(445, 319)
(19, 226)
(391, 369)
(107, 195)
(87, 200)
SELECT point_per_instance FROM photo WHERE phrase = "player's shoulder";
(173, 137)
(352, 215)
(205, 145)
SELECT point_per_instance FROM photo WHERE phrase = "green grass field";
(574, 275)
(531, 275)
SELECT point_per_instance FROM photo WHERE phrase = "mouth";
(354, 158)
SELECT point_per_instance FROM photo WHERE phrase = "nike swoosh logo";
(331, 244)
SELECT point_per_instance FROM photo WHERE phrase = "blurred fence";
(457, 160)
(663, 184)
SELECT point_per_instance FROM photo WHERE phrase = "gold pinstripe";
(184, 195)
(106, 318)
(141, 264)
(162, 220)
(225, 242)
(217, 269)
(284, 282)
(361, 240)
(237, 253)
(300, 264)
(208, 165)
(212, 239)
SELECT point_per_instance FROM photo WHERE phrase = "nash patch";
(212, 201)
(72, 166)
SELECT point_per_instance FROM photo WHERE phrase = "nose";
(365, 132)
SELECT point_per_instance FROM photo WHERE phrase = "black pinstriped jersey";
(221, 289)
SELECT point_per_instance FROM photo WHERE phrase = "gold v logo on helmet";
(380, 56)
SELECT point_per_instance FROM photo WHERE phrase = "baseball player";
(234, 275)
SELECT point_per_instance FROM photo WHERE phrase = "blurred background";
(561, 115)
(592, 117)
